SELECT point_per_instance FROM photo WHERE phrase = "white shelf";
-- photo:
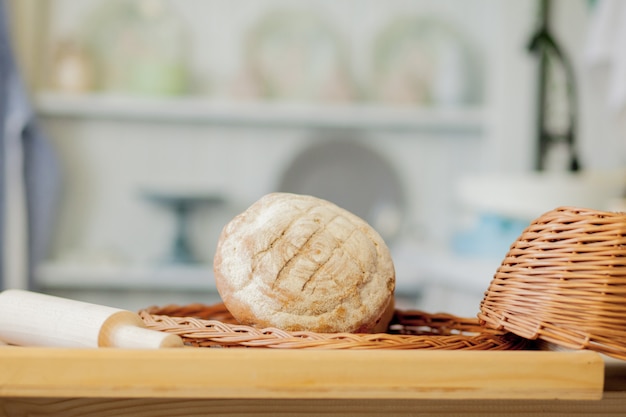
(153, 277)
(425, 266)
(463, 121)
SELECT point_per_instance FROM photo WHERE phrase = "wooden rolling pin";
(33, 319)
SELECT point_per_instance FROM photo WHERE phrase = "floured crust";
(298, 262)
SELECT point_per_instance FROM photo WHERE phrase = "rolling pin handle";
(133, 337)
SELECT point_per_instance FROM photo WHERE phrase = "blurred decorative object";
(353, 176)
(423, 61)
(556, 120)
(246, 86)
(526, 196)
(502, 206)
(72, 68)
(181, 202)
(605, 48)
(297, 55)
(490, 237)
(140, 47)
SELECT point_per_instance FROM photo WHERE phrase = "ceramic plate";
(353, 176)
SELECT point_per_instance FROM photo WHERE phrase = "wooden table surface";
(266, 382)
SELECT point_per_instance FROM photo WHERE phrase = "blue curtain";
(41, 174)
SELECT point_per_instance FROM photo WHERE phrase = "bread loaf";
(298, 262)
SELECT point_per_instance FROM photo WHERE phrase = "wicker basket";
(563, 281)
(212, 326)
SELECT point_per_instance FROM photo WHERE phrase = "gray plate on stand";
(353, 176)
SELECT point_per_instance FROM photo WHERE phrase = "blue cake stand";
(181, 204)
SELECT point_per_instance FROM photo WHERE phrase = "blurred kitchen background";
(447, 124)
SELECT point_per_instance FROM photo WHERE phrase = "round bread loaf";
(298, 262)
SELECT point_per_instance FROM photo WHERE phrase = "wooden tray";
(299, 374)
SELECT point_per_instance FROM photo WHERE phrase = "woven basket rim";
(212, 326)
(563, 281)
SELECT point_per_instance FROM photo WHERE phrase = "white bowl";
(527, 196)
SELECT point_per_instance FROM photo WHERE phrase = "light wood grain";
(266, 373)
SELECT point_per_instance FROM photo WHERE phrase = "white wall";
(107, 162)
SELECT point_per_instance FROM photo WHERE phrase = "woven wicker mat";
(212, 326)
